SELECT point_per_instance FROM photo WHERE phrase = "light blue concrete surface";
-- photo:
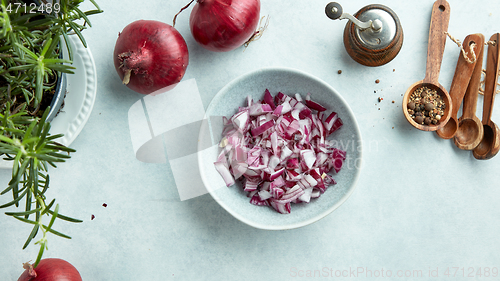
(421, 206)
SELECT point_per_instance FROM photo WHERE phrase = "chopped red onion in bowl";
(279, 148)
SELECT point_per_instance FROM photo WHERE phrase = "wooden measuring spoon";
(490, 143)
(461, 79)
(470, 128)
(440, 18)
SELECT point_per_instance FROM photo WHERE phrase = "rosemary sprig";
(30, 63)
(29, 47)
(31, 149)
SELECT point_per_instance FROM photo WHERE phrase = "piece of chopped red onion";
(278, 148)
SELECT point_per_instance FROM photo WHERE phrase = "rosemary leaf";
(48, 207)
(39, 85)
(32, 235)
(54, 216)
(62, 68)
(25, 220)
(53, 46)
(28, 204)
(6, 139)
(15, 165)
(27, 51)
(21, 67)
(68, 44)
(23, 213)
(83, 15)
(65, 217)
(59, 155)
(78, 33)
(52, 137)
(58, 233)
(46, 186)
(93, 12)
(16, 178)
(56, 61)
(59, 147)
(97, 6)
(45, 157)
(46, 46)
(14, 201)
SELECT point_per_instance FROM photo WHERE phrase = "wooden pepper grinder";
(373, 36)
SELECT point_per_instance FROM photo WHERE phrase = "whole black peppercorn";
(411, 105)
(429, 106)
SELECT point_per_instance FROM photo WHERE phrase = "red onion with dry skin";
(224, 25)
(150, 55)
(50, 270)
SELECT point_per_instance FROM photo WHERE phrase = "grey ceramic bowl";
(288, 81)
(57, 100)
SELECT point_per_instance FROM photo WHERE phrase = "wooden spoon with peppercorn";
(460, 82)
(435, 48)
(490, 144)
(470, 128)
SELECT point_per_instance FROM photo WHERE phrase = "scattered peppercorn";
(377, 81)
(92, 217)
(339, 72)
(104, 205)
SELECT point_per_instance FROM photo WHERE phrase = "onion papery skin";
(154, 51)
(52, 269)
(224, 25)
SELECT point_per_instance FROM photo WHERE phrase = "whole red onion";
(150, 55)
(224, 25)
(50, 270)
